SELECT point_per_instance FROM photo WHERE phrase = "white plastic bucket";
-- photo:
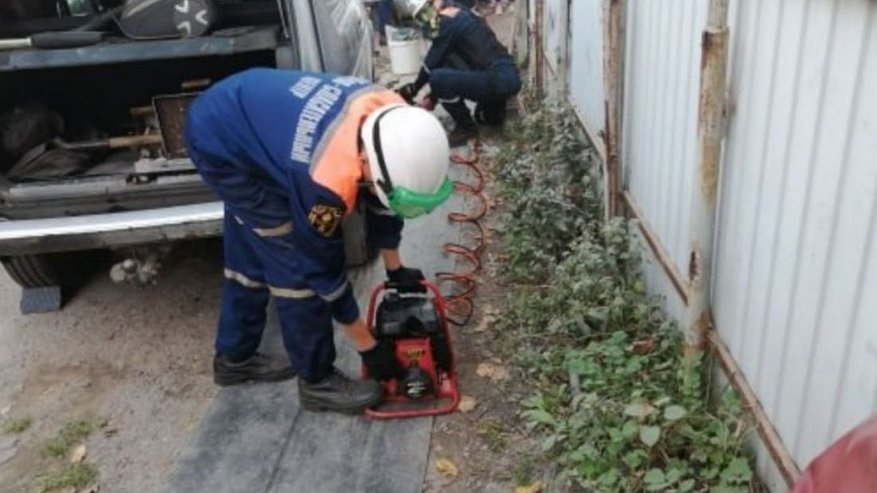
(405, 56)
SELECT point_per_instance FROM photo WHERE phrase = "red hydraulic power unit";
(416, 324)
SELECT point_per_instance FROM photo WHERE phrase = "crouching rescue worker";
(465, 61)
(289, 153)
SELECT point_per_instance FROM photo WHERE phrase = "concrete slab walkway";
(256, 439)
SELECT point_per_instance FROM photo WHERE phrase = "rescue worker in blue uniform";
(465, 61)
(288, 152)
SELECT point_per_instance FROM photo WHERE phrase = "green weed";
(76, 476)
(72, 433)
(493, 431)
(17, 425)
(617, 406)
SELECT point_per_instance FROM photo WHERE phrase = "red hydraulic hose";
(464, 283)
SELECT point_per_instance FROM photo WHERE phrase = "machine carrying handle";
(428, 288)
(405, 288)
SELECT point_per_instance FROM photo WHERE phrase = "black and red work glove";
(381, 362)
(408, 92)
(406, 279)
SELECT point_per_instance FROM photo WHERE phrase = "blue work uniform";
(466, 61)
(281, 148)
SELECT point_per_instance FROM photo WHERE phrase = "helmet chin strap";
(384, 182)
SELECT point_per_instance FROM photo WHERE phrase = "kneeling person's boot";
(256, 368)
(460, 135)
(339, 393)
(465, 128)
(491, 114)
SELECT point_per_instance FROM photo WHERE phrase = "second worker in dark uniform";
(466, 62)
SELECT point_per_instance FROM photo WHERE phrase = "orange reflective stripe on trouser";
(337, 164)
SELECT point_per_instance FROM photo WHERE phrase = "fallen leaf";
(492, 371)
(644, 346)
(486, 321)
(467, 403)
(78, 453)
(674, 413)
(649, 435)
(663, 400)
(638, 410)
(447, 468)
(533, 488)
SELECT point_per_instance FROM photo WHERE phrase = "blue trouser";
(260, 263)
(496, 84)
(257, 268)
(493, 86)
(385, 16)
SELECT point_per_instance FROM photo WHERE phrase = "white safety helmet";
(411, 7)
(408, 155)
(423, 12)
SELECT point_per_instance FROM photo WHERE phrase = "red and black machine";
(416, 324)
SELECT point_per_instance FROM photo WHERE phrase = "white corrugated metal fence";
(794, 291)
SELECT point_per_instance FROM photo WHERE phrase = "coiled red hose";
(460, 299)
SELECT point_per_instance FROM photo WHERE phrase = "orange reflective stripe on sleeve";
(337, 164)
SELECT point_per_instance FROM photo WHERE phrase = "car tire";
(32, 271)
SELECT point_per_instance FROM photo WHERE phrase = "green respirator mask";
(402, 201)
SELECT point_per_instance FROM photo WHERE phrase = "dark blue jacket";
(283, 146)
(464, 36)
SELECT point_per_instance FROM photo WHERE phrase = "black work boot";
(465, 128)
(339, 393)
(256, 368)
(461, 135)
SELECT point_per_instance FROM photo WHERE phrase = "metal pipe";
(729, 366)
(142, 111)
(596, 137)
(193, 84)
(766, 430)
(655, 246)
(111, 143)
(710, 122)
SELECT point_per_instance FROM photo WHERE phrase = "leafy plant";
(75, 476)
(617, 405)
(17, 425)
(72, 433)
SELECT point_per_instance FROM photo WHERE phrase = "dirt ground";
(135, 361)
(487, 444)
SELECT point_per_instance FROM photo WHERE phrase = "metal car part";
(160, 198)
(117, 229)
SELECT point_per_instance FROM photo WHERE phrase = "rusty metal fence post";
(710, 125)
(539, 47)
(613, 53)
(563, 56)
